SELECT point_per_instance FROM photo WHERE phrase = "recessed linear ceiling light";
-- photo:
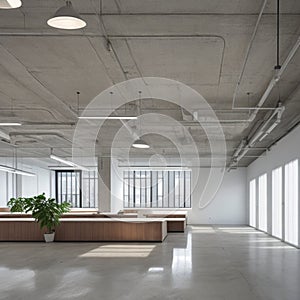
(108, 118)
(67, 162)
(15, 171)
(66, 18)
(10, 4)
(10, 123)
(140, 144)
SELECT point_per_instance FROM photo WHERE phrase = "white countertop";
(132, 220)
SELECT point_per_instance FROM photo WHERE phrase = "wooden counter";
(87, 229)
(176, 221)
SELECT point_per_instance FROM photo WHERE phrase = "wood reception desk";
(87, 229)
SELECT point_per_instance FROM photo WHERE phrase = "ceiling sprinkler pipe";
(275, 79)
(240, 147)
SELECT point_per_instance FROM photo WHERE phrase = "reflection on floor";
(209, 263)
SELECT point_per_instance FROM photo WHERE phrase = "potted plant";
(17, 204)
(46, 212)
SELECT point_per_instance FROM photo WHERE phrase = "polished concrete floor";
(209, 263)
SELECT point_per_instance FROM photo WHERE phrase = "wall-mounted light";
(66, 18)
(10, 4)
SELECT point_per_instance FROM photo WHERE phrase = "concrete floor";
(234, 263)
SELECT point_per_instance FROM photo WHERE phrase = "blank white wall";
(25, 186)
(32, 186)
(229, 204)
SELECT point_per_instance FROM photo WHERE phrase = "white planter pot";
(49, 237)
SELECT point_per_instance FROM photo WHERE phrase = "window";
(291, 202)
(252, 203)
(80, 188)
(89, 189)
(262, 202)
(164, 189)
(277, 202)
(68, 187)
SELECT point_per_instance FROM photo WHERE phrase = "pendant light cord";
(278, 66)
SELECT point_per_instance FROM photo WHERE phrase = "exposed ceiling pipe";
(239, 148)
(275, 79)
(4, 136)
(248, 53)
(38, 133)
(260, 134)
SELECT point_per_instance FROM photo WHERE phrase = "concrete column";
(104, 184)
(18, 186)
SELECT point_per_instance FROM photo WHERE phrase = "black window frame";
(59, 199)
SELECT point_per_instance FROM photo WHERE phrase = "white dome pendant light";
(140, 144)
(66, 18)
(10, 4)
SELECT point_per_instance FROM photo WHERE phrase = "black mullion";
(71, 174)
(146, 186)
(134, 188)
(174, 188)
(140, 188)
(169, 184)
(151, 191)
(129, 195)
(76, 187)
(61, 187)
(179, 177)
(95, 182)
(184, 181)
(56, 187)
(156, 188)
(163, 188)
(80, 199)
(89, 179)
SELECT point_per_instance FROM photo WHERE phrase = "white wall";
(229, 204)
(12, 185)
(32, 186)
(7, 182)
(227, 207)
(286, 150)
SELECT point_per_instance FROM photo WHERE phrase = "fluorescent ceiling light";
(10, 4)
(66, 18)
(149, 168)
(67, 162)
(140, 144)
(108, 118)
(16, 171)
(10, 123)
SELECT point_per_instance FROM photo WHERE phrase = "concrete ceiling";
(199, 43)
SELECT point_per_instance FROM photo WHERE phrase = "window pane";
(157, 189)
(252, 203)
(262, 200)
(68, 187)
(291, 202)
(277, 202)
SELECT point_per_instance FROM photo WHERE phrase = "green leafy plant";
(45, 211)
(17, 204)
